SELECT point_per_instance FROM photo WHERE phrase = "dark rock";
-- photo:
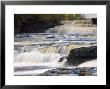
(80, 55)
(94, 21)
(85, 71)
(61, 59)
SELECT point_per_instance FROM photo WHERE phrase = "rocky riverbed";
(84, 71)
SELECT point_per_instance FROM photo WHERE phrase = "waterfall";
(36, 57)
(63, 50)
(42, 55)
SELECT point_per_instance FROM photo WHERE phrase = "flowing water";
(35, 53)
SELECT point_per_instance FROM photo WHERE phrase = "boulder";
(80, 55)
(62, 58)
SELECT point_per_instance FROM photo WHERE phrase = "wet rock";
(86, 71)
(61, 59)
(80, 55)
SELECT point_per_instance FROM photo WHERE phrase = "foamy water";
(36, 57)
(39, 63)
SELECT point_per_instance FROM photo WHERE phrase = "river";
(36, 53)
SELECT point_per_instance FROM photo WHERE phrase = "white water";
(36, 57)
(48, 56)
(92, 63)
(49, 61)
